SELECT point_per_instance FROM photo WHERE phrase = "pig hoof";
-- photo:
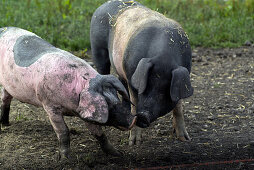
(184, 136)
(62, 156)
(132, 142)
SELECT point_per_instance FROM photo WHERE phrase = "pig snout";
(143, 119)
(121, 118)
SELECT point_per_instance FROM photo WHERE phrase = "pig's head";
(100, 103)
(160, 87)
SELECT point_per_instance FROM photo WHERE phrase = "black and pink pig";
(152, 56)
(35, 72)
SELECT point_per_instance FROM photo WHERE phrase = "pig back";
(129, 22)
(32, 70)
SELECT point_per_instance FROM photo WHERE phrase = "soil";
(219, 119)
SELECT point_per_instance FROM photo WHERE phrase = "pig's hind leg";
(99, 43)
(97, 132)
(101, 60)
(5, 107)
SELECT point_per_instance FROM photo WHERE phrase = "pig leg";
(135, 136)
(97, 132)
(5, 107)
(135, 133)
(178, 122)
(60, 128)
(101, 60)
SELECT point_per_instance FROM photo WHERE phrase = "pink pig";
(35, 72)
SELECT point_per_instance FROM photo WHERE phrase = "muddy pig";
(152, 56)
(35, 72)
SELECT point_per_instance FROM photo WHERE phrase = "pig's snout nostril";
(143, 120)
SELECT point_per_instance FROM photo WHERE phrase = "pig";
(35, 72)
(151, 55)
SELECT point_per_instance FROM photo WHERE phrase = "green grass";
(66, 23)
(211, 23)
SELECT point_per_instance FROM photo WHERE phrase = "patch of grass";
(66, 23)
(211, 23)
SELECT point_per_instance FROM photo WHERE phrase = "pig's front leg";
(97, 132)
(135, 136)
(60, 128)
(178, 123)
(135, 133)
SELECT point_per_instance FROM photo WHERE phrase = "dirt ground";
(218, 118)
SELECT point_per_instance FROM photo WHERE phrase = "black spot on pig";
(28, 49)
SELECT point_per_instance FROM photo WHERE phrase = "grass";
(212, 23)
(66, 23)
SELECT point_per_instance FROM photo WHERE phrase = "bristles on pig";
(150, 53)
(35, 72)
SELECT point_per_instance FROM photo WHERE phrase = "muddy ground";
(219, 119)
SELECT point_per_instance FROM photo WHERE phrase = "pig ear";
(115, 85)
(140, 76)
(118, 86)
(180, 84)
(93, 107)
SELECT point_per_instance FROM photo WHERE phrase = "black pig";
(150, 53)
